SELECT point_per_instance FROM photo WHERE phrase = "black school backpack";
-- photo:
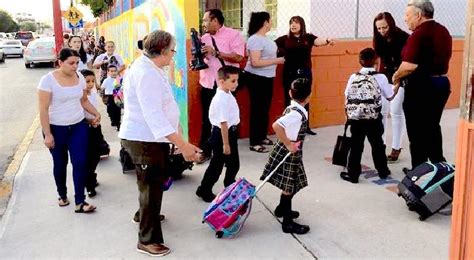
(364, 97)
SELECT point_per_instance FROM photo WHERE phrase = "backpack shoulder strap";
(300, 112)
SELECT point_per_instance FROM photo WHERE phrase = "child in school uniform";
(290, 177)
(95, 135)
(224, 116)
(364, 92)
(107, 87)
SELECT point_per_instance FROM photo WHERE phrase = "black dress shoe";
(384, 175)
(279, 213)
(345, 176)
(310, 132)
(294, 228)
(206, 196)
(91, 193)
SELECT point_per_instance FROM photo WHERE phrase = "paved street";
(18, 104)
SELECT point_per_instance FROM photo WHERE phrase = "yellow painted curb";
(6, 185)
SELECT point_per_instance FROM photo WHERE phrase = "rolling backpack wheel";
(219, 234)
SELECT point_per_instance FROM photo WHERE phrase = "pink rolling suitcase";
(228, 211)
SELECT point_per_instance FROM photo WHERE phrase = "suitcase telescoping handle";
(271, 173)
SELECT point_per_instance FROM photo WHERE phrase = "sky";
(42, 10)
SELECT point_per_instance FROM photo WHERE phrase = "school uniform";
(291, 176)
(113, 110)
(223, 108)
(372, 128)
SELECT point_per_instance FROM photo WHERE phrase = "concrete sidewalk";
(366, 220)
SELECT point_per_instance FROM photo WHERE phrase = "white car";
(12, 47)
(41, 50)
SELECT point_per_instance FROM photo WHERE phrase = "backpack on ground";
(364, 97)
(428, 188)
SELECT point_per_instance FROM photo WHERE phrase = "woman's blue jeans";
(72, 138)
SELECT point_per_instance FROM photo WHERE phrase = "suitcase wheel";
(219, 234)
(422, 218)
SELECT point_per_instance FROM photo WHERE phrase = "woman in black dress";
(296, 47)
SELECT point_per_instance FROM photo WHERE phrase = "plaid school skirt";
(290, 176)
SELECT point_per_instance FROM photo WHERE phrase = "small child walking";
(290, 177)
(364, 92)
(224, 116)
(107, 87)
(95, 135)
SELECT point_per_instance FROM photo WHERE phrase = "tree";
(98, 7)
(28, 26)
(7, 24)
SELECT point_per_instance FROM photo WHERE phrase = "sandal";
(258, 148)
(267, 141)
(393, 156)
(63, 202)
(85, 208)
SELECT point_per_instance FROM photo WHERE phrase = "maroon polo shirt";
(430, 47)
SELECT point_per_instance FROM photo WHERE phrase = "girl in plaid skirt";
(290, 177)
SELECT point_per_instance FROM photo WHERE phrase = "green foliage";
(98, 7)
(7, 24)
(28, 26)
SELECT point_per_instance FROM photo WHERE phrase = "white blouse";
(150, 111)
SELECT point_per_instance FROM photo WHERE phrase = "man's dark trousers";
(424, 103)
(206, 98)
(231, 161)
(373, 129)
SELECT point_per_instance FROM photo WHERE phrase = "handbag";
(342, 148)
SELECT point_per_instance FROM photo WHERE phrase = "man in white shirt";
(224, 117)
(150, 123)
(363, 107)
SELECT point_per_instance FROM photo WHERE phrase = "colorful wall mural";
(126, 29)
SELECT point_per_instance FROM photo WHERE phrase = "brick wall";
(332, 67)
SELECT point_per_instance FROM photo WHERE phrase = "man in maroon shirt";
(425, 61)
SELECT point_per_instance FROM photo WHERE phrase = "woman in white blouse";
(62, 101)
(150, 123)
(85, 60)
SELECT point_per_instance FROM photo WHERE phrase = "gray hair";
(424, 7)
(157, 42)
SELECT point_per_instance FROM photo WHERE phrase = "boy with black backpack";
(363, 106)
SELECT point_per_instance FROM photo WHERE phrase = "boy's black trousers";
(219, 159)
(372, 129)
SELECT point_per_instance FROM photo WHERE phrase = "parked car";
(12, 47)
(25, 37)
(40, 51)
(2, 56)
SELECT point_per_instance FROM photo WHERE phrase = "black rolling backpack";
(428, 188)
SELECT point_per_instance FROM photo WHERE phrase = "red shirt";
(430, 46)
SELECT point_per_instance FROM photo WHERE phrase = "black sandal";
(85, 208)
(258, 148)
(63, 202)
(267, 141)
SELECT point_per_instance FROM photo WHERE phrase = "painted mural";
(151, 15)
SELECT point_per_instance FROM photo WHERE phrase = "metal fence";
(343, 19)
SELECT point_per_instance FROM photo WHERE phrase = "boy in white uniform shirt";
(224, 116)
(107, 87)
(365, 117)
(290, 177)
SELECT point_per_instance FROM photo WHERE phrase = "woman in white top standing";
(150, 123)
(62, 101)
(261, 70)
(85, 60)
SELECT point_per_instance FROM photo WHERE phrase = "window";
(271, 7)
(232, 11)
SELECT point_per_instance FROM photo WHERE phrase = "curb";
(6, 184)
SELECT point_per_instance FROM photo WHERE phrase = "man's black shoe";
(206, 196)
(294, 228)
(345, 176)
(310, 132)
(405, 170)
(279, 213)
(384, 175)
